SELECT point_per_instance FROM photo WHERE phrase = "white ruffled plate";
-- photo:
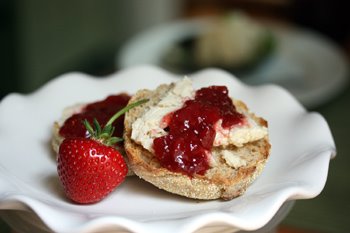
(302, 147)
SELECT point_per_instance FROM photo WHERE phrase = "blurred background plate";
(306, 63)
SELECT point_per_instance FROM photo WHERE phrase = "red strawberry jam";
(191, 130)
(102, 110)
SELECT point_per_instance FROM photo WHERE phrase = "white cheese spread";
(150, 125)
(239, 135)
(232, 159)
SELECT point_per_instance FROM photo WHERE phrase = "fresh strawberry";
(90, 168)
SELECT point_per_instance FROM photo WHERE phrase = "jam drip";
(102, 111)
(191, 131)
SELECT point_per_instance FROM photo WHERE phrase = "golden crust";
(220, 181)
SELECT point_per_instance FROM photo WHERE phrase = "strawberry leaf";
(89, 127)
(97, 127)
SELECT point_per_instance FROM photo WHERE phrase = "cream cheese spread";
(150, 125)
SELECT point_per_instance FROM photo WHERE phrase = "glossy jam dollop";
(101, 110)
(191, 131)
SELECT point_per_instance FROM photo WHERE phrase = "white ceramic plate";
(302, 146)
(306, 63)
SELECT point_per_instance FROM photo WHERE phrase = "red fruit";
(89, 170)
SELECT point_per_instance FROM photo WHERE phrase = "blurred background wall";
(42, 39)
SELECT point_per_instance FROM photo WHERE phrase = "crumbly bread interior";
(220, 181)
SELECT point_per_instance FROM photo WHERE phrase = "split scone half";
(224, 166)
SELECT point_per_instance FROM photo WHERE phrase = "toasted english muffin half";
(220, 181)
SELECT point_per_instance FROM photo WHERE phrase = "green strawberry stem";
(124, 110)
(105, 134)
